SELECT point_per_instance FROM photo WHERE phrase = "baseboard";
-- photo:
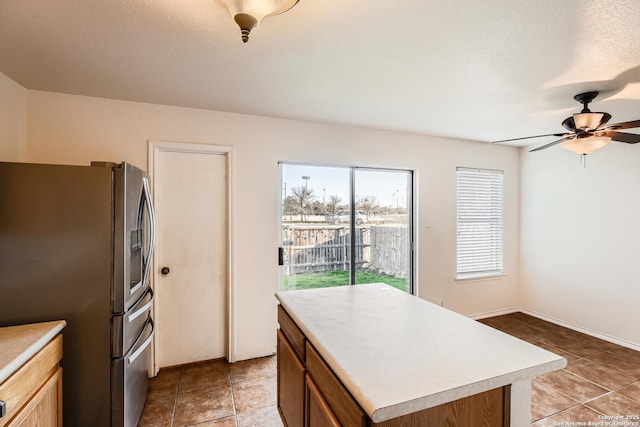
(501, 312)
(558, 322)
(243, 358)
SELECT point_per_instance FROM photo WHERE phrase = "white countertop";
(398, 354)
(20, 343)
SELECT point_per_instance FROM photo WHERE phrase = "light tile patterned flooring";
(214, 394)
(600, 379)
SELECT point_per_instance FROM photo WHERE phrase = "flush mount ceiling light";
(249, 13)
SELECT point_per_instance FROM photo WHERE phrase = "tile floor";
(600, 379)
(214, 394)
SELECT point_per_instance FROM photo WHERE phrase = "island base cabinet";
(342, 404)
(291, 384)
(311, 395)
(317, 411)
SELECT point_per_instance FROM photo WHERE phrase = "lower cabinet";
(311, 395)
(345, 408)
(33, 394)
(317, 411)
(291, 384)
(43, 409)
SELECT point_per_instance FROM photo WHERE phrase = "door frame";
(155, 148)
(412, 207)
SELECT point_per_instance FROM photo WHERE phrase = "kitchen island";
(371, 355)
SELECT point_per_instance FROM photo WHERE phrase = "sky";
(389, 187)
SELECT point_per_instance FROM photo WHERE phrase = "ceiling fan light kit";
(587, 121)
(584, 146)
(588, 131)
(249, 13)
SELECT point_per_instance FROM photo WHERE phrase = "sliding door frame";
(411, 220)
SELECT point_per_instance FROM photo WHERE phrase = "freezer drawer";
(130, 380)
(125, 328)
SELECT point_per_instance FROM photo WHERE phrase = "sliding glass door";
(383, 247)
(345, 225)
(315, 243)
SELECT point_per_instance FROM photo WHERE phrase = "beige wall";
(578, 251)
(75, 129)
(13, 120)
(580, 239)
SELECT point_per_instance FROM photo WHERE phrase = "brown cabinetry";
(291, 385)
(311, 395)
(342, 404)
(33, 394)
(317, 410)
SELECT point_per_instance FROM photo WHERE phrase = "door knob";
(165, 270)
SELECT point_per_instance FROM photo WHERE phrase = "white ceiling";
(474, 69)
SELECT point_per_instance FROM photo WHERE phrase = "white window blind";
(480, 220)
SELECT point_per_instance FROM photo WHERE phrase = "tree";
(333, 203)
(302, 197)
(367, 204)
(316, 207)
(289, 206)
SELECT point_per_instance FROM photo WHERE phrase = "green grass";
(340, 278)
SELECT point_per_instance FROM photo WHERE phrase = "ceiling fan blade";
(624, 125)
(529, 137)
(629, 138)
(551, 144)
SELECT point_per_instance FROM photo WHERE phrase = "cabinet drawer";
(343, 405)
(292, 332)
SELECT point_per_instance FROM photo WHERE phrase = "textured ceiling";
(480, 70)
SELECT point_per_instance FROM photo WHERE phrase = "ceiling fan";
(588, 131)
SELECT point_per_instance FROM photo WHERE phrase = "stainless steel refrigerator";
(76, 244)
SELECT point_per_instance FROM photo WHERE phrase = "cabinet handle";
(3, 408)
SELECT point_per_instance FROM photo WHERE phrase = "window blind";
(480, 222)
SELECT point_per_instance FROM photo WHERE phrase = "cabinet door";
(291, 373)
(45, 408)
(318, 413)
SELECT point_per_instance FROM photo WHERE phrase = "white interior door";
(192, 256)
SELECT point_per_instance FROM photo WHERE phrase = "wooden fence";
(390, 250)
(317, 248)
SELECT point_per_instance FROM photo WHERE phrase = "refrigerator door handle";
(152, 230)
(144, 345)
(134, 315)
